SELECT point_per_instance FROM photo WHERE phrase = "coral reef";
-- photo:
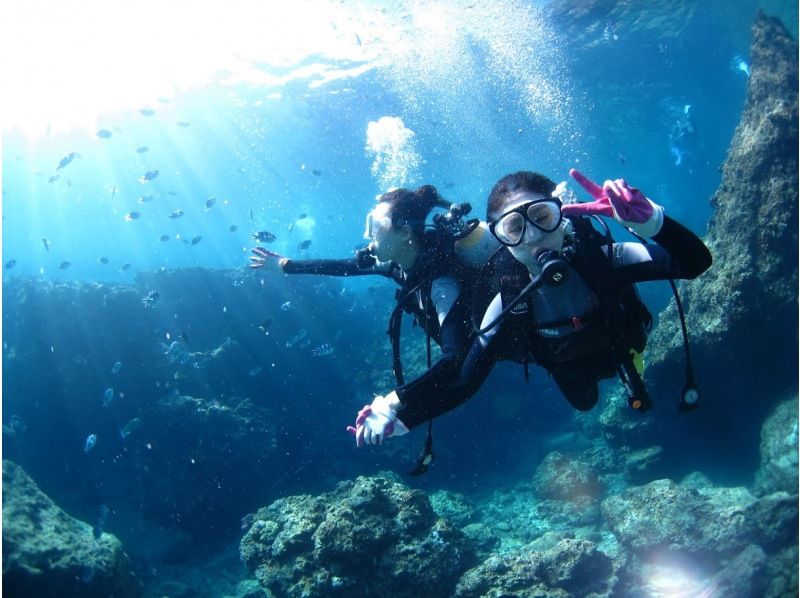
(370, 536)
(48, 553)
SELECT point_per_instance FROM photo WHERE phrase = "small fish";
(103, 134)
(183, 123)
(172, 193)
(116, 367)
(302, 216)
(102, 260)
(91, 440)
(147, 112)
(176, 214)
(46, 244)
(290, 227)
(143, 149)
(145, 198)
(247, 521)
(151, 299)
(54, 178)
(251, 214)
(164, 238)
(108, 396)
(264, 326)
(301, 334)
(125, 267)
(148, 176)
(304, 245)
(64, 265)
(210, 202)
(196, 240)
(185, 337)
(621, 159)
(17, 424)
(233, 228)
(10, 264)
(286, 306)
(264, 236)
(113, 190)
(255, 371)
(316, 172)
(358, 39)
(322, 350)
(66, 160)
(131, 216)
(130, 427)
(738, 64)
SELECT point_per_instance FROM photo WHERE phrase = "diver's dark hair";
(411, 207)
(524, 180)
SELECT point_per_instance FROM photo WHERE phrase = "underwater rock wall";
(742, 314)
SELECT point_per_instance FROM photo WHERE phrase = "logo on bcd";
(520, 308)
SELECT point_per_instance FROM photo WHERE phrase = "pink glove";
(377, 421)
(616, 198)
(265, 258)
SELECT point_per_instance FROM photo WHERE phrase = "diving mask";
(543, 214)
(378, 219)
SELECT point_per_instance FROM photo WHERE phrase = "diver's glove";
(377, 421)
(616, 198)
(264, 258)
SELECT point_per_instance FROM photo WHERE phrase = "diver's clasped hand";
(378, 421)
(616, 198)
(262, 258)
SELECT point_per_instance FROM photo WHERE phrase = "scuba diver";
(566, 298)
(438, 269)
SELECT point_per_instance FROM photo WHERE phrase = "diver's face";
(386, 238)
(535, 238)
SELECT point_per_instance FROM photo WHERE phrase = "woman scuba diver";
(566, 300)
(439, 270)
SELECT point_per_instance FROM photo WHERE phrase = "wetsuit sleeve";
(676, 253)
(345, 267)
(458, 376)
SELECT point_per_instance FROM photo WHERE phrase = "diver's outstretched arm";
(264, 258)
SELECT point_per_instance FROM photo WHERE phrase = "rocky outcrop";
(368, 537)
(724, 535)
(570, 568)
(779, 450)
(714, 522)
(48, 553)
(563, 478)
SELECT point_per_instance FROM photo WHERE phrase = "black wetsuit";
(565, 328)
(437, 290)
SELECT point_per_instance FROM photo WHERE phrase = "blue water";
(483, 90)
